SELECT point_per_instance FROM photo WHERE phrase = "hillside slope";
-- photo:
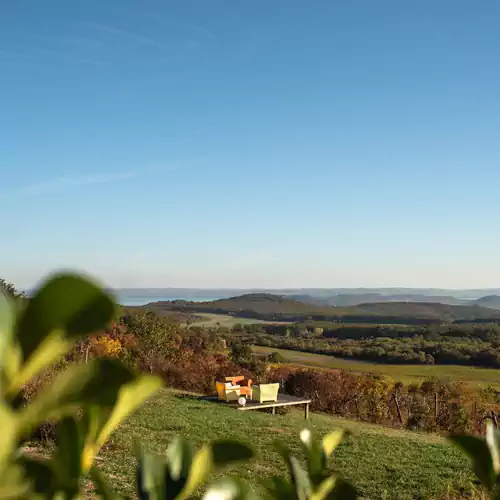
(491, 301)
(374, 458)
(257, 305)
(430, 310)
(354, 299)
(270, 307)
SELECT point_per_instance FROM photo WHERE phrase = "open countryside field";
(405, 373)
(228, 321)
(382, 463)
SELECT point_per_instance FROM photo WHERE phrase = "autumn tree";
(157, 337)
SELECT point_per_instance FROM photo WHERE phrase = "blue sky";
(241, 144)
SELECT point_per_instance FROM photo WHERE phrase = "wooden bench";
(283, 400)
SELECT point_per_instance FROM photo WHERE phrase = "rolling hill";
(491, 301)
(354, 299)
(254, 305)
(430, 310)
(269, 307)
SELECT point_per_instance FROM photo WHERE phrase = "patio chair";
(265, 392)
(227, 392)
(235, 380)
(246, 387)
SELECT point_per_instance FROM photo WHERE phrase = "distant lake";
(141, 300)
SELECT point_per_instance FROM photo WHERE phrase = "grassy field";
(382, 463)
(405, 373)
(228, 321)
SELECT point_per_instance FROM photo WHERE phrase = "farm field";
(228, 321)
(405, 373)
(381, 462)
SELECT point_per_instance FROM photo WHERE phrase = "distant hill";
(254, 305)
(321, 293)
(354, 299)
(430, 310)
(491, 301)
(271, 307)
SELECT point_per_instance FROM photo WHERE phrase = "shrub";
(276, 357)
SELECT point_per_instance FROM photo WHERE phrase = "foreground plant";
(183, 470)
(485, 457)
(315, 482)
(34, 336)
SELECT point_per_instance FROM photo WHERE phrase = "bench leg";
(274, 410)
(306, 411)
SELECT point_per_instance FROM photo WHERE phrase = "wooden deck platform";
(283, 400)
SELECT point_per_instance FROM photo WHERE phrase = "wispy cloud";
(37, 53)
(69, 57)
(77, 181)
(77, 41)
(171, 46)
(61, 183)
(13, 53)
(113, 30)
(191, 28)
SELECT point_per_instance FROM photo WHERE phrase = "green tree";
(157, 337)
(276, 357)
(241, 353)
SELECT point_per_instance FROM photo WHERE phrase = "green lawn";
(404, 373)
(381, 462)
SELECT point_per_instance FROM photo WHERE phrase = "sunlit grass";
(379, 461)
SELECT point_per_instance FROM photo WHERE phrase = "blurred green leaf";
(179, 459)
(285, 452)
(180, 454)
(95, 383)
(151, 477)
(52, 348)
(325, 488)
(91, 424)
(332, 440)
(315, 483)
(279, 488)
(492, 440)
(40, 475)
(342, 491)
(6, 325)
(11, 366)
(64, 308)
(130, 397)
(230, 488)
(316, 458)
(299, 476)
(479, 453)
(225, 452)
(13, 483)
(65, 302)
(67, 457)
(216, 454)
(201, 467)
(300, 479)
(8, 424)
(103, 489)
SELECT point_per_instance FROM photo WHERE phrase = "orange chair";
(235, 380)
(246, 387)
